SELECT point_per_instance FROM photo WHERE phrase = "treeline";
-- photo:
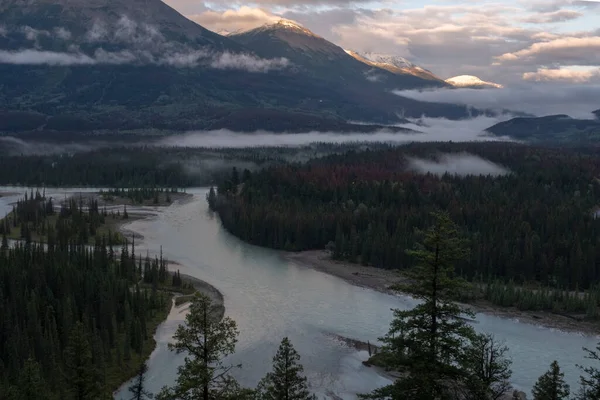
(536, 223)
(93, 164)
(75, 320)
(34, 218)
(140, 195)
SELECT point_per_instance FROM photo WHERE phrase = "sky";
(512, 42)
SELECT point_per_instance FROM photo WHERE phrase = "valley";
(284, 200)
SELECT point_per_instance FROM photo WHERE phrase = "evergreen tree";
(31, 385)
(428, 343)
(138, 387)
(206, 340)
(82, 377)
(551, 385)
(488, 369)
(590, 381)
(286, 381)
(211, 197)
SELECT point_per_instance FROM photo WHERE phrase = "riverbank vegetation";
(143, 196)
(76, 320)
(34, 218)
(530, 223)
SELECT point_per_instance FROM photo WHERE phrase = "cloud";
(242, 19)
(553, 16)
(62, 33)
(247, 62)
(36, 57)
(448, 39)
(146, 45)
(195, 58)
(431, 129)
(33, 34)
(575, 100)
(563, 51)
(462, 164)
(563, 74)
(3, 30)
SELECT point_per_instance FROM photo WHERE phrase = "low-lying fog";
(429, 130)
(577, 101)
(462, 164)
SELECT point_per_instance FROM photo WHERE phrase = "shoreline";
(199, 285)
(381, 279)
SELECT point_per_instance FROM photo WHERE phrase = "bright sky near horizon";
(509, 42)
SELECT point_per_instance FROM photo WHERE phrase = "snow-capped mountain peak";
(471, 81)
(393, 63)
(389, 59)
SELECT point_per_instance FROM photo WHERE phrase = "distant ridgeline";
(75, 319)
(535, 223)
(34, 218)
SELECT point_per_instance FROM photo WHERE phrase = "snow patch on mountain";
(465, 81)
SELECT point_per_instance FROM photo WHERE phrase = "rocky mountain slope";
(395, 64)
(97, 65)
(318, 57)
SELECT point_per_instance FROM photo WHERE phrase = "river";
(270, 298)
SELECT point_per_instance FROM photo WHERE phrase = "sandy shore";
(381, 280)
(203, 287)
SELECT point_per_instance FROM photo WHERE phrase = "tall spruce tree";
(31, 385)
(551, 385)
(428, 343)
(590, 380)
(286, 381)
(206, 340)
(82, 378)
(138, 387)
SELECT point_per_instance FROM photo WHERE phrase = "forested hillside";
(76, 321)
(535, 223)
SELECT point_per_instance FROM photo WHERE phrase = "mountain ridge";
(559, 128)
(312, 52)
(182, 77)
(394, 64)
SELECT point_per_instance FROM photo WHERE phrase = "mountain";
(473, 82)
(63, 23)
(109, 65)
(394, 64)
(551, 129)
(321, 58)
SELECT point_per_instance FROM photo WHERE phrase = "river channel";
(270, 298)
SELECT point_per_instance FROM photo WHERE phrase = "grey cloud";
(33, 34)
(3, 30)
(36, 57)
(553, 16)
(462, 164)
(247, 62)
(62, 33)
(97, 32)
(578, 101)
(560, 51)
(194, 58)
(146, 43)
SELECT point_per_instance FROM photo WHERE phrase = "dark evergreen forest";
(534, 224)
(76, 321)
